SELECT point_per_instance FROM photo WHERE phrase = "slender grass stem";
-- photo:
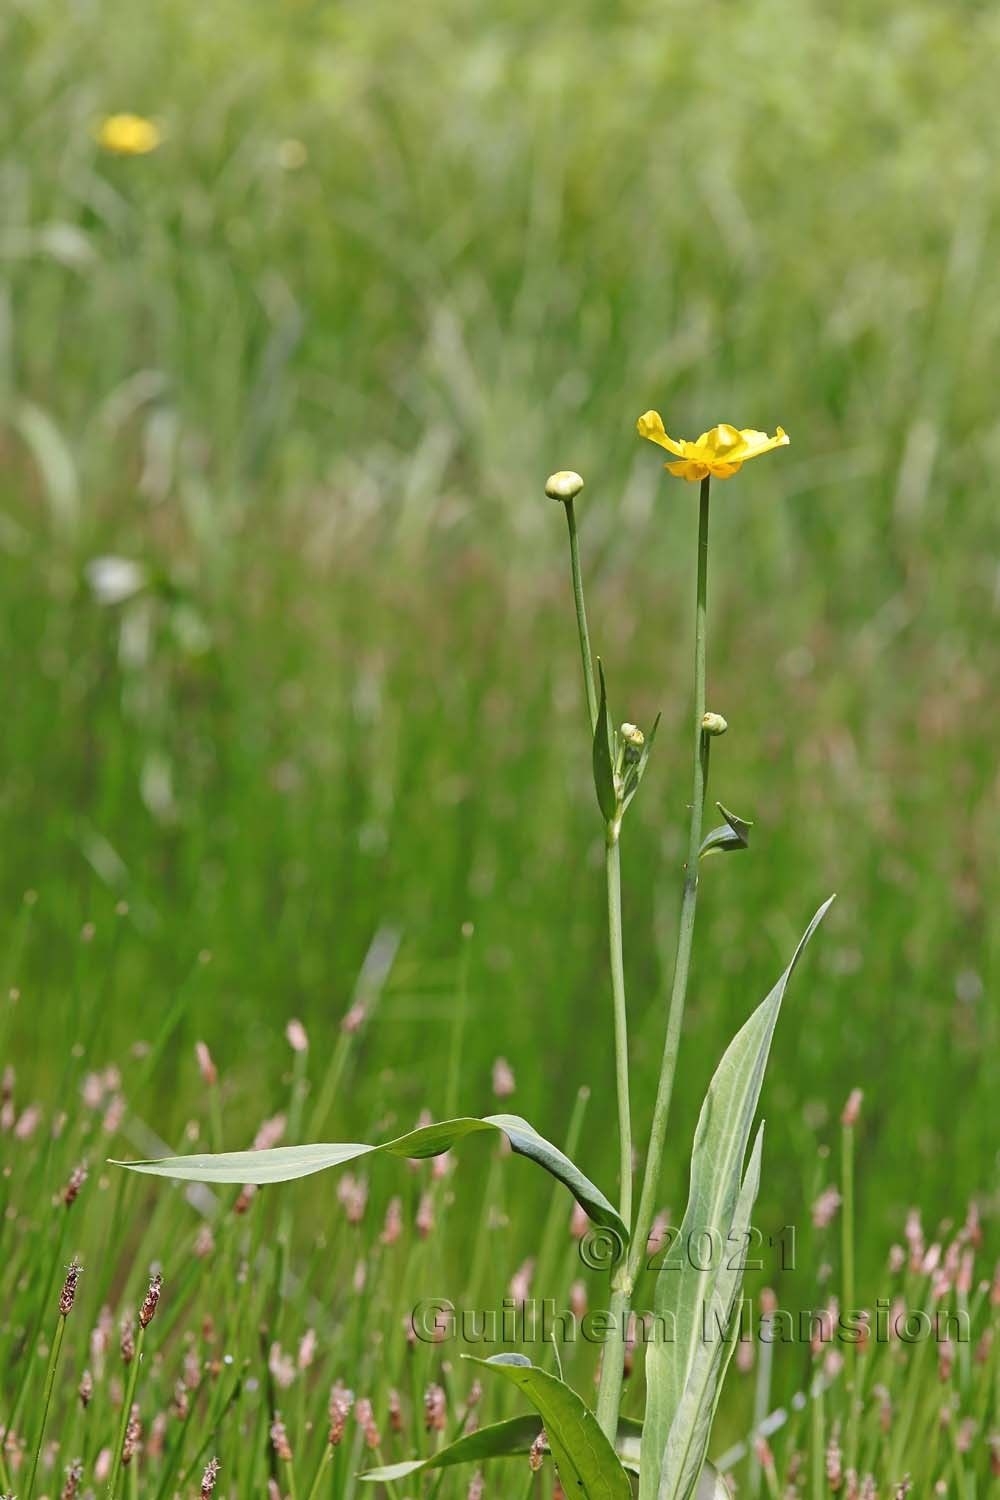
(847, 1288)
(50, 1380)
(133, 1376)
(685, 935)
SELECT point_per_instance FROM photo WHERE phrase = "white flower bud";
(564, 485)
(714, 724)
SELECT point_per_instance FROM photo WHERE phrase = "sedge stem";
(133, 1376)
(50, 1380)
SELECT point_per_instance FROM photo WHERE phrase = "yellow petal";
(688, 469)
(724, 470)
(650, 425)
(720, 440)
(754, 443)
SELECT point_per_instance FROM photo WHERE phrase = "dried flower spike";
(68, 1293)
(150, 1301)
(209, 1477)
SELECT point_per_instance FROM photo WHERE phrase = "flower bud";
(714, 724)
(633, 740)
(564, 485)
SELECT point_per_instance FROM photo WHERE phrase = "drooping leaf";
(283, 1163)
(604, 755)
(509, 1439)
(588, 1465)
(684, 1293)
(733, 834)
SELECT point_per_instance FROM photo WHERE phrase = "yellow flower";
(720, 452)
(128, 135)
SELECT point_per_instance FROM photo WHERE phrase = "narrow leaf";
(588, 1465)
(684, 1292)
(283, 1163)
(604, 755)
(732, 835)
(508, 1439)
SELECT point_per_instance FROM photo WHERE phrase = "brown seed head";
(68, 1293)
(537, 1452)
(78, 1177)
(149, 1302)
(209, 1477)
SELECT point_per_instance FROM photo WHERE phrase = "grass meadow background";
(308, 366)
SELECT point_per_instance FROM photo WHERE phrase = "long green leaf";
(683, 1293)
(691, 1428)
(588, 1465)
(509, 1439)
(283, 1163)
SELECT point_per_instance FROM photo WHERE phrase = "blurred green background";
(306, 367)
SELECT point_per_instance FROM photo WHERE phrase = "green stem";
(50, 1380)
(133, 1376)
(685, 935)
(613, 1356)
(581, 615)
(613, 866)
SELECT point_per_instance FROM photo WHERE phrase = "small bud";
(209, 1477)
(714, 724)
(633, 739)
(565, 485)
(503, 1079)
(86, 1389)
(537, 1452)
(150, 1300)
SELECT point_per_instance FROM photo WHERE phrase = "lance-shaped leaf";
(684, 1293)
(733, 834)
(509, 1439)
(691, 1428)
(283, 1163)
(604, 755)
(588, 1465)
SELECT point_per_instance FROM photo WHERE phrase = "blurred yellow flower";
(128, 135)
(720, 452)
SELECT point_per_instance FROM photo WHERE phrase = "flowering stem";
(50, 1380)
(685, 935)
(581, 615)
(613, 1358)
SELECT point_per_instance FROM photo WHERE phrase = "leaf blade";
(286, 1163)
(717, 1157)
(587, 1463)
